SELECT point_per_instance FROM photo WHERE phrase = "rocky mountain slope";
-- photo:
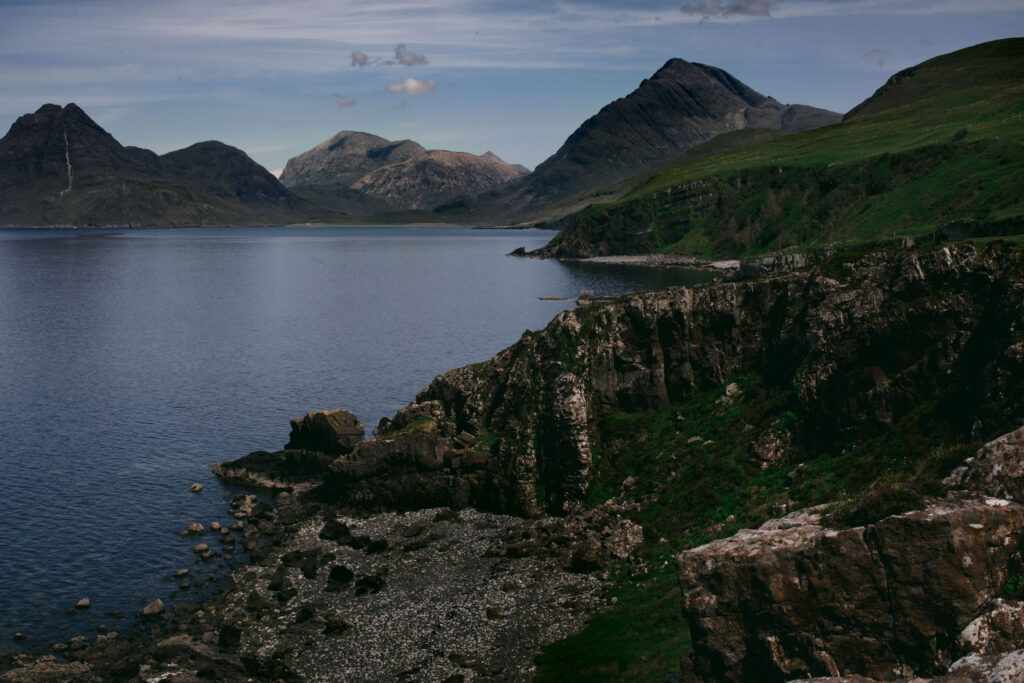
(360, 174)
(58, 167)
(682, 105)
(938, 144)
(432, 178)
(344, 158)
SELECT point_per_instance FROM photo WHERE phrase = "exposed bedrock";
(794, 599)
(862, 339)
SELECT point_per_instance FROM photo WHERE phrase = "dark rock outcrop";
(334, 432)
(793, 598)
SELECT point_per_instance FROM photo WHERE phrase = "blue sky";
(512, 76)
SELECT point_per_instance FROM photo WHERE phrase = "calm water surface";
(130, 361)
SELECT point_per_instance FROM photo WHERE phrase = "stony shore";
(433, 594)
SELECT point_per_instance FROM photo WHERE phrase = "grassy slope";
(904, 163)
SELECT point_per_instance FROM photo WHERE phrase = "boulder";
(996, 469)
(794, 599)
(1001, 629)
(334, 432)
(999, 668)
(152, 609)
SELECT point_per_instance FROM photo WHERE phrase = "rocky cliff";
(862, 341)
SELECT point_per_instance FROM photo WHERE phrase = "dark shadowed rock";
(282, 470)
(334, 432)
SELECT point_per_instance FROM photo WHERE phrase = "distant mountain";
(435, 177)
(934, 152)
(346, 157)
(58, 167)
(359, 173)
(682, 105)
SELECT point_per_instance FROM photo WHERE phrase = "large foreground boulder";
(794, 598)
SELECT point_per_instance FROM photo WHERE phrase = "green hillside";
(940, 142)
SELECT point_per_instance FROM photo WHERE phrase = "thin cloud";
(877, 56)
(345, 101)
(412, 86)
(360, 59)
(403, 56)
(717, 8)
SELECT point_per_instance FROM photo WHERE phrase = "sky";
(514, 77)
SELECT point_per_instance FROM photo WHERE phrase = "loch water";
(132, 360)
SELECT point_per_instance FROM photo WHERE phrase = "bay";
(132, 360)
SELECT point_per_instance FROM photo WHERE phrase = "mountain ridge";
(59, 167)
(683, 104)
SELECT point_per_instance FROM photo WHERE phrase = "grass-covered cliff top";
(940, 142)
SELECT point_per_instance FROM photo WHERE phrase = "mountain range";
(935, 151)
(617, 184)
(358, 173)
(58, 167)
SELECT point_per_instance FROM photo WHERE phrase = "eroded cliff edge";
(860, 340)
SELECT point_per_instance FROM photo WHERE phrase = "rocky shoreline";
(464, 534)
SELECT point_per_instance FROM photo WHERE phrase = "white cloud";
(412, 86)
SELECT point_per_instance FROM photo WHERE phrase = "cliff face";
(861, 341)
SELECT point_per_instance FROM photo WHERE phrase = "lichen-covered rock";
(1001, 629)
(1005, 667)
(997, 468)
(793, 599)
(334, 432)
